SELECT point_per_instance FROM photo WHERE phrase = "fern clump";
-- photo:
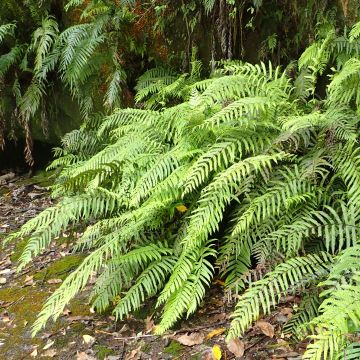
(241, 166)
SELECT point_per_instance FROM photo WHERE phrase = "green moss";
(174, 348)
(19, 248)
(59, 269)
(103, 351)
(26, 304)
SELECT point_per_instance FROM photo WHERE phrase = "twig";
(135, 337)
(200, 327)
(13, 302)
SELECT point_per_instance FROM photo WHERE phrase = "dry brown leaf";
(28, 280)
(133, 355)
(215, 332)
(217, 318)
(54, 281)
(34, 353)
(237, 347)
(84, 356)
(88, 340)
(149, 324)
(48, 345)
(5, 272)
(191, 340)
(266, 328)
(287, 311)
(49, 353)
(6, 319)
(66, 312)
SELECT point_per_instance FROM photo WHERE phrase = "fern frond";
(266, 293)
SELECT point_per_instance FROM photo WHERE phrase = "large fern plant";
(244, 166)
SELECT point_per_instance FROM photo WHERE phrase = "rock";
(3, 281)
(7, 177)
(34, 195)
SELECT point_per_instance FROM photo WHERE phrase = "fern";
(212, 175)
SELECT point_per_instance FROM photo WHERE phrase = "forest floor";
(81, 334)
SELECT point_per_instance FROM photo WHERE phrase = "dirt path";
(82, 335)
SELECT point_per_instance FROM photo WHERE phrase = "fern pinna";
(155, 185)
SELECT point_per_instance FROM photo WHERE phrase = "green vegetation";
(251, 165)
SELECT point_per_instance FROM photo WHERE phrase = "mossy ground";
(25, 304)
(60, 269)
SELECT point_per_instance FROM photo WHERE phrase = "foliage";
(210, 175)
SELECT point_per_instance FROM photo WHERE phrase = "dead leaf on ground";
(215, 332)
(28, 280)
(66, 312)
(88, 340)
(133, 355)
(217, 318)
(266, 328)
(216, 352)
(191, 340)
(54, 281)
(287, 311)
(34, 353)
(5, 272)
(49, 345)
(84, 356)
(237, 347)
(49, 353)
(149, 324)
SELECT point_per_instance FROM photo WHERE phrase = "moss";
(26, 304)
(103, 351)
(174, 348)
(59, 269)
(19, 248)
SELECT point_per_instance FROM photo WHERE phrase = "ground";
(83, 335)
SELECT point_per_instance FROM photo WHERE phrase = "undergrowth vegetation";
(207, 177)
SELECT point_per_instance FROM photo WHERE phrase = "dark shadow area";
(12, 157)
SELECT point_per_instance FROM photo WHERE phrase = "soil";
(81, 334)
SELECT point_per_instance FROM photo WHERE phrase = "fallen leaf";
(49, 353)
(191, 340)
(215, 332)
(66, 312)
(149, 324)
(216, 352)
(3, 281)
(5, 272)
(5, 319)
(54, 281)
(34, 353)
(79, 318)
(237, 347)
(217, 318)
(134, 354)
(266, 328)
(287, 311)
(28, 280)
(88, 340)
(219, 282)
(84, 356)
(48, 345)
(181, 208)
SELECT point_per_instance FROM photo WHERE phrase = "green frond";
(6, 30)
(265, 293)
